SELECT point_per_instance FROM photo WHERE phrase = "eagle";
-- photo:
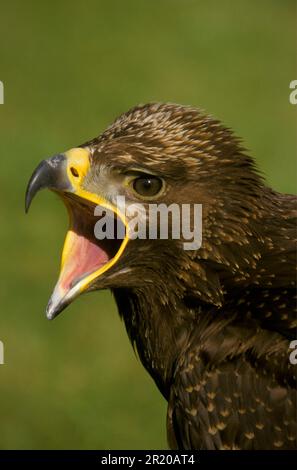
(214, 325)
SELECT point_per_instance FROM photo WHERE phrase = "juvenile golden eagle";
(212, 326)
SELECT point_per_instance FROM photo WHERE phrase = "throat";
(156, 331)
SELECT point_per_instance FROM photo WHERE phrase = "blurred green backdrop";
(68, 68)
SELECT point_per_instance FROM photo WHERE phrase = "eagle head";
(154, 154)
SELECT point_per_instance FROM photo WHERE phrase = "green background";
(69, 68)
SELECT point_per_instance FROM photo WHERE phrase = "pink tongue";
(83, 257)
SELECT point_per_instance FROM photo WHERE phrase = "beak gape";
(84, 258)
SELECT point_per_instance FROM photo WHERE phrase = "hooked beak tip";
(50, 173)
(27, 203)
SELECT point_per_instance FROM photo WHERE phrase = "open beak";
(84, 257)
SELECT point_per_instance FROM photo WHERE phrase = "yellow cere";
(78, 160)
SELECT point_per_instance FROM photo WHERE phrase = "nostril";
(74, 172)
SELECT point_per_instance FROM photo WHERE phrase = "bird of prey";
(213, 326)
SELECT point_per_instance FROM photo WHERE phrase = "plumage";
(212, 326)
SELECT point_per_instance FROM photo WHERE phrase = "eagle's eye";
(147, 186)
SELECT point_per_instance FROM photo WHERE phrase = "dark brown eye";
(147, 186)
